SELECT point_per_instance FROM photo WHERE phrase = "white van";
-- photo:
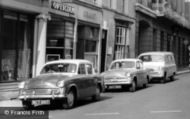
(161, 64)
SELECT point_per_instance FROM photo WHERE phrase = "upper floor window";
(121, 43)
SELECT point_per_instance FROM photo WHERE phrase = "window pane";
(24, 51)
(9, 50)
(90, 46)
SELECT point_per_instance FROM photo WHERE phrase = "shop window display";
(16, 47)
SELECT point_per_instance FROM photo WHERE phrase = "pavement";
(18, 103)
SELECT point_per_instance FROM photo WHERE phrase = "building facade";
(163, 25)
(118, 38)
(36, 31)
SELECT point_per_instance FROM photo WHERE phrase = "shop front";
(73, 32)
(16, 44)
(89, 23)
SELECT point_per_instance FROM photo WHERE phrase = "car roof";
(127, 59)
(156, 53)
(76, 61)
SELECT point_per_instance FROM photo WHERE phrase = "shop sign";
(63, 7)
(89, 15)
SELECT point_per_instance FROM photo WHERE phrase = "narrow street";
(158, 101)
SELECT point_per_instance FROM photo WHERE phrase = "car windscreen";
(59, 68)
(122, 64)
(152, 58)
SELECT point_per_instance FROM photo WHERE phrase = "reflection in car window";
(81, 69)
(123, 64)
(152, 58)
(89, 68)
(59, 68)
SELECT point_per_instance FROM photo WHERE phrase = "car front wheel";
(70, 101)
(132, 88)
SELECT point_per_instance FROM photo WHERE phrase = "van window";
(152, 58)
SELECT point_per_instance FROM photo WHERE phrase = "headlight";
(128, 74)
(61, 83)
(21, 85)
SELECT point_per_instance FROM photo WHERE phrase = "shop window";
(91, 39)
(120, 44)
(60, 40)
(16, 47)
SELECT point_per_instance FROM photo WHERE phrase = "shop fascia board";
(23, 6)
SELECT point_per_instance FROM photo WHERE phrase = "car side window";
(169, 59)
(89, 68)
(138, 65)
(166, 59)
(81, 69)
(141, 65)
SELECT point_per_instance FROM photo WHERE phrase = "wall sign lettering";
(63, 7)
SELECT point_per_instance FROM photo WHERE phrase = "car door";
(82, 81)
(144, 73)
(140, 73)
(92, 79)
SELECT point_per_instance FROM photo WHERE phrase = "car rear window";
(122, 64)
(59, 68)
(152, 58)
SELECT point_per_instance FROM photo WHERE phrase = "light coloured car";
(126, 73)
(62, 82)
(162, 64)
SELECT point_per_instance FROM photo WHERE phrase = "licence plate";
(40, 102)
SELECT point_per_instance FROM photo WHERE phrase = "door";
(140, 74)
(82, 81)
(103, 50)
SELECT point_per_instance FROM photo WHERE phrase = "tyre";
(96, 96)
(70, 101)
(132, 88)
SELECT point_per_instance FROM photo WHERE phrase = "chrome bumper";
(25, 97)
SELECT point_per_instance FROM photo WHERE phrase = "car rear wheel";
(96, 96)
(70, 101)
(132, 88)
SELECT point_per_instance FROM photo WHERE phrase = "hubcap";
(70, 98)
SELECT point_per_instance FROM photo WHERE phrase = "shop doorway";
(103, 50)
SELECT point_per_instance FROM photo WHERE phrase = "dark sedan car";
(62, 82)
